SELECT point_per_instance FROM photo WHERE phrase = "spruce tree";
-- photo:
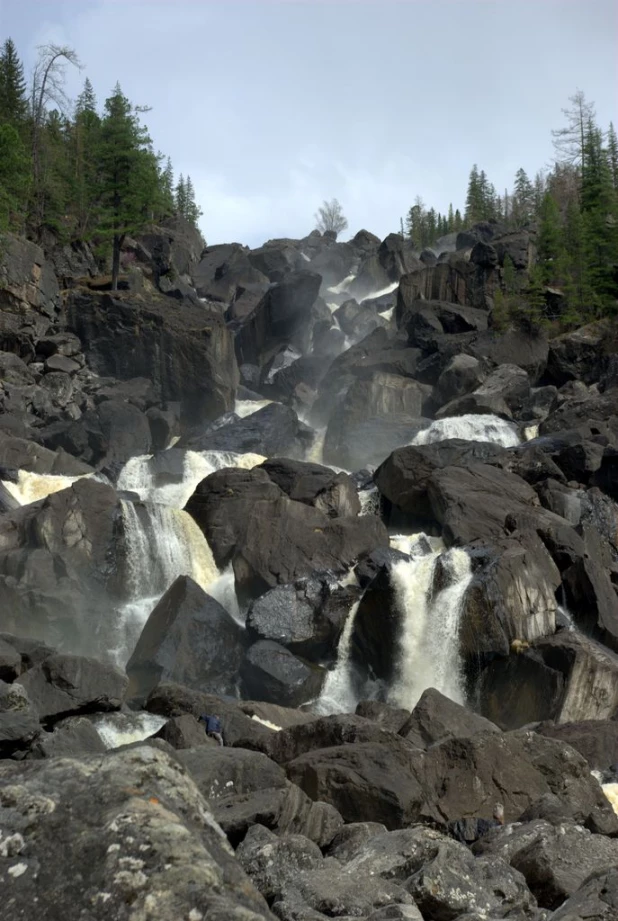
(128, 175)
(577, 287)
(550, 243)
(474, 197)
(523, 199)
(192, 211)
(600, 218)
(181, 196)
(14, 175)
(13, 99)
(86, 128)
(451, 219)
(167, 188)
(612, 153)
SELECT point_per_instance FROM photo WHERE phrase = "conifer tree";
(474, 197)
(612, 153)
(569, 141)
(128, 174)
(600, 216)
(86, 128)
(550, 243)
(181, 196)
(192, 211)
(167, 188)
(13, 100)
(523, 199)
(14, 175)
(451, 219)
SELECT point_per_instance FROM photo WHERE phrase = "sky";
(272, 106)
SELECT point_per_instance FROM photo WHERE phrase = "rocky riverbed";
(309, 488)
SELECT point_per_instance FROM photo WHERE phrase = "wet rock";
(189, 639)
(387, 716)
(130, 827)
(271, 672)
(182, 732)
(313, 484)
(596, 740)
(72, 737)
(327, 732)
(274, 429)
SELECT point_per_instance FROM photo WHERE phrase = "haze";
(272, 107)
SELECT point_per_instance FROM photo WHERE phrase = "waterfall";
(429, 640)
(611, 793)
(162, 543)
(140, 475)
(118, 729)
(338, 694)
(470, 428)
(244, 408)
(30, 487)
(315, 454)
(223, 590)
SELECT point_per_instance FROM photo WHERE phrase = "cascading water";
(338, 694)
(162, 543)
(470, 428)
(429, 639)
(244, 408)
(139, 475)
(30, 487)
(117, 729)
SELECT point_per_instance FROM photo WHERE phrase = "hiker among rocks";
(213, 727)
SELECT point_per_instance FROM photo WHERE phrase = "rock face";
(190, 639)
(135, 827)
(188, 354)
(27, 279)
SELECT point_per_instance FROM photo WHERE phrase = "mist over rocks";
(173, 544)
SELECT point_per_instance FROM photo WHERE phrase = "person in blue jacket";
(213, 727)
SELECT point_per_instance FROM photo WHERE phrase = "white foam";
(31, 487)
(244, 408)
(470, 427)
(118, 729)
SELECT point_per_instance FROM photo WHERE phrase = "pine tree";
(192, 211)
(416, 224)
(451, 219)
(523, 199)
(577, 287)
(13, 99)
(474, 197)
(128, 173)
(181, 196)
(86, 128)
(458, 222)
(550, 243)
(612, 153)
(599, 205)
(569, 141)
(14, 174)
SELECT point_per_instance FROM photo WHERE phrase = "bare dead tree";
(569, 141)
(331, 217)
(48, 79)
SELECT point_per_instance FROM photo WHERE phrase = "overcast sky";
(274, 105)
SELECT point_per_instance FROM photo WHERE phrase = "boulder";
(313, 484)
(10, 661)
(221, 773)
(436, 717)
(106, 436)
(183, 732)
(131, 826)
(271, 672)
(224, 272)
(606, 476)
(71, 737)
(596, 899)
(63, 685)
(282, 316)
(19, 719)
(186, 352)
(504, 393)
(270, 861)
(189, 639)
(387, 716)
(327, 732)
(579, 355)
(596, 740)
(555, 860)
(274, 429)
(462, 375)
(17, 453)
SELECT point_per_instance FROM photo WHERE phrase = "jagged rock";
(313, 484)
(283, 315)
(104, 437)
(130, 826)
(332, 892)
(10, 661)
(326, 732)
(564, 677)
(462, 375)
(357, 320)
(403, 478)
(504, 392)
(19, 720)
(393, 783)
(307, 617)
(606, 477)
(183, 732)
(350, 839)
(126, 339)
(579, 355)
(20, 454)
(271, 672)
(224, 272)
(274, 429)
(277, 259)
(190, 639)
(596, 740)
(590, 414)
(270, 861)
(555, 860)
(387, 716)
(62, 363)
(597, 899)
(436, 717)
(72, 737)
(63, 685)
(164, 426)
(222, 774)
(27, 279)
(284, 810)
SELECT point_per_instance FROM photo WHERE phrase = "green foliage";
(14, 175)
(13, 98)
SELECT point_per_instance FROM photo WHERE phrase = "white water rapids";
(470, 427)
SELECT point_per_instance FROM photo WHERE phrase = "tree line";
(573, 210)
(78, 170)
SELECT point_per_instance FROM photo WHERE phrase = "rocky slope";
(394, 643)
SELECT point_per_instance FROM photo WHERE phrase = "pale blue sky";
(274, 105)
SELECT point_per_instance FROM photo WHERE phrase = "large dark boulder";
(596, 740)
(281, 316)
(596, 899)
(273, 673)
(190, 639)
(124, 829)
(19, 454)
(503, 393)
(105, 436)
(63, 685)
(224, 272)
(186, 351)
(313, 484)
(580, 355)
(274, 429)
(436, 717)
(72, 736)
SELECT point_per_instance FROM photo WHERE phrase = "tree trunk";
(118, 241)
